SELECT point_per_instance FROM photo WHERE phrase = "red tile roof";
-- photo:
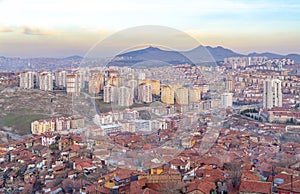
(256, 186)
(288, 187)
(203, 186)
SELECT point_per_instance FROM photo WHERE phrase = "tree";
(171, 187)
(235, 173)
(68, 185)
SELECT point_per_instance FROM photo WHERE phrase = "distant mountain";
(149, 56)
(74, 57)
(202, 54)
(153, 56)
(146, 57)
(295, 57)
(266, 54)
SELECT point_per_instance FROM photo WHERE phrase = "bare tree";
(173, 187)
(235, 173)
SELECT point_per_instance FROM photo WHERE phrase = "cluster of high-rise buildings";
(48, 81)
(144, 91)
(125, 86)
(258, 62)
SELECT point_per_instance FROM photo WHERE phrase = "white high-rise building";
(145, 93)
(226, 99)
(125, 96)
(110, 94)
(272, 96)
(73, 84)
(133, 84)
(27, 80)
(61, 79)
(46, 81)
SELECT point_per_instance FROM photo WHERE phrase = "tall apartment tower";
(272, 96)
(182, 96)
(73, 84)
(46, 81)
(194, 94)
(125, 96)
(155, 87)
(96, 83)
(145, 93)
(167, 94)
(27, 80)
(226, 99)
(61, 79)
(133, 84)
(110, 94)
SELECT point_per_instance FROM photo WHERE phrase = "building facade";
(145, 93)
(73, 84)
(272, 93)
(167, 94)
(226, 99)
(46, 81)
(27, 80)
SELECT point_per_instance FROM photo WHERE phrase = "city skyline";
(41, 29)
(150, 96)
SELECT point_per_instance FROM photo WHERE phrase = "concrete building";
(61, 79)
(62, 123)
(96, 83)
(27, 80)
(125, 96)
(155, 84)
(175, 86)
(226, 99)
(194, 94)
(167, 94)
(103, 119)
(46, 81)
(133, 84)
(145, 93)
(182, 96)
(272, 93)
(42, 126)
(110, 94)
(155, 87)
(143, 125)
(113, 80)
(77, 122)
(73, 84)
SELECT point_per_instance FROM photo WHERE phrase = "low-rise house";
(247, 187)
(201, 187)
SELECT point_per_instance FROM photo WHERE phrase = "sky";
(57, 28)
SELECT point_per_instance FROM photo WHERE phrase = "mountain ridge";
(200, 54)
(145, 57)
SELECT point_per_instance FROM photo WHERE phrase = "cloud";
(6, 29)
(34, 31)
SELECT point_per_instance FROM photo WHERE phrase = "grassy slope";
(20, 121)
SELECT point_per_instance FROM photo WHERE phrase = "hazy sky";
(32, 28)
